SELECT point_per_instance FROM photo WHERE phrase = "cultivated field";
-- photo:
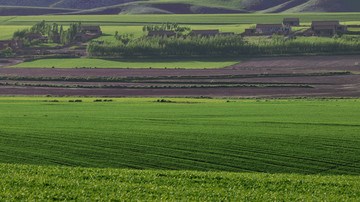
(305, 76)
(27, 182)
(130, 63)
(183, 134)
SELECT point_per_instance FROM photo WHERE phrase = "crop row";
(29, 182)
(159, 86)
(295, 136)
(149, 78)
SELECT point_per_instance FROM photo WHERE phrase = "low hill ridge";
(175, 6)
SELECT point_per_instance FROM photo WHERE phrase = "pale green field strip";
(354, 29)
(274, 136)
(183, 19)
(39, 183)
(7, 31)
(127, 63)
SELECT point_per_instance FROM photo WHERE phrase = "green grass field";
(7, 31)
(140, 149)
(128, 63)
(26, 182)
(354, 29)
(274, 136)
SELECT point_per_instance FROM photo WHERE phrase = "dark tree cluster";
(220, 46)
(54, 32)
(166, 27)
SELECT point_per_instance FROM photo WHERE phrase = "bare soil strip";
(319, 72)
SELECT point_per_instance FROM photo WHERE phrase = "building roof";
(5, 41)
(97, 27)
(291, 19)
(33, 35)
(268, 25)
(214, 31)
(324, 23)
(325, 27)
(161, 33)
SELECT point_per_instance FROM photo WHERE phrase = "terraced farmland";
(273, 136)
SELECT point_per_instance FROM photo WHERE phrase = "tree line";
(221, 46)
(55, 32)
(169, 26)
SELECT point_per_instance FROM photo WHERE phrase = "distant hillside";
(24, 10)
(174, 6)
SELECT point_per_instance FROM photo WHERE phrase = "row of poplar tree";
(56, 33)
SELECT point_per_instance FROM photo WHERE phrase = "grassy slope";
(63, 3)
(194, 134)
(42, 3)
(142, 63)
(231, 4)
(219, 19)
(26, 11)
(25, 182)
(102, 3)
(250, 5)
(327, 6)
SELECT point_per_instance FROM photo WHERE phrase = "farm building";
(84, 37)
(88, 32)
(269, 29)
(162, 33)
(205, 33)
(5, 44)
(37, 36)
(328, 28)
(14, 44)
(249, 32)
(291, 22)
(91, 30)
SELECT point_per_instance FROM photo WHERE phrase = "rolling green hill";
(183, 6)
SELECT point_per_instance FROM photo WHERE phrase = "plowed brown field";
(311, 76)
